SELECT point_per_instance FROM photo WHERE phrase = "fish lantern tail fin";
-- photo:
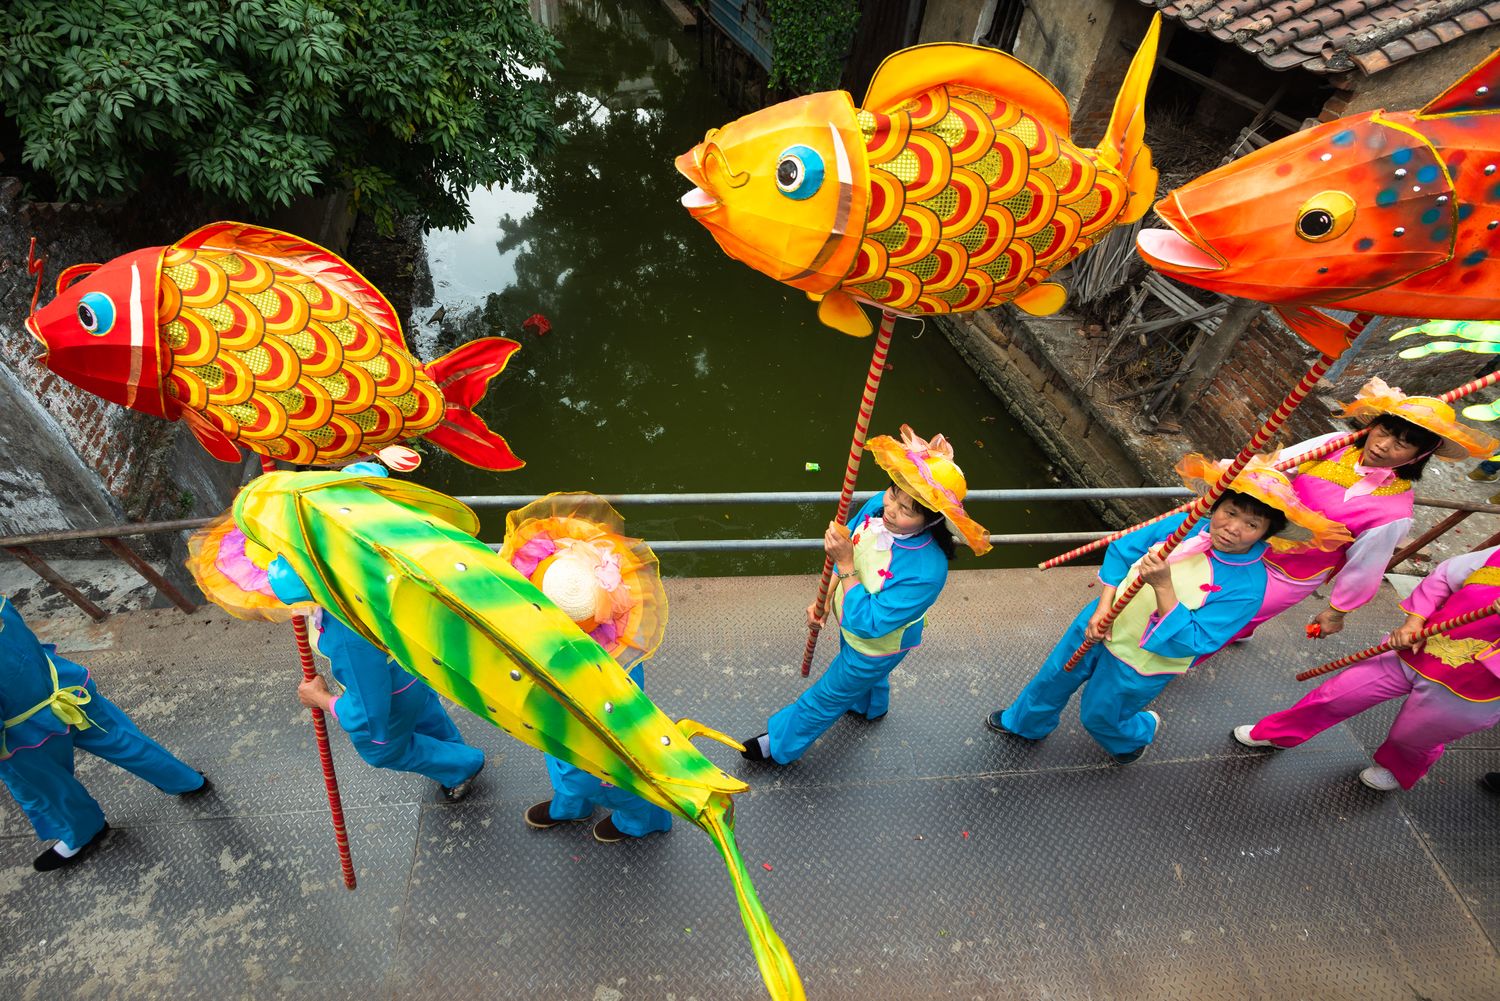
(777, 969)
(463, 375)
(1124, 146)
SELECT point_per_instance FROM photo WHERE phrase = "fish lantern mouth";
(1174, 250)
(698, 201)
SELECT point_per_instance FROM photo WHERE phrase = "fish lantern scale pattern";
(323, 386)
(973, 202)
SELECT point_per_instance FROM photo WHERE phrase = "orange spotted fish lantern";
(260, 339)
(1394, 213)
(955, 186)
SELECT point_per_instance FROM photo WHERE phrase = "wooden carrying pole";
(851, 470)
(1327, 448)
(1431, 630)
(320, 733)
(1203, 504)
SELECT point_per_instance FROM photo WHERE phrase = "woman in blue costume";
(394, 720)
(892, 562)
(1195, 601)
(572, 546)
(50, 706)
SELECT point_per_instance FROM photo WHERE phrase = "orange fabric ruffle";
(1376, 398)
(638, 606)
(1261, 480)
(208, 560)
(942, 489)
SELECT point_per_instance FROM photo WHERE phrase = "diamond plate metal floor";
(916, 857)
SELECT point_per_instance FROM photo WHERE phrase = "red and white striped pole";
(320, 733)
(1198, 507)
(1327, 448)
(851, 470)
(1432, 630)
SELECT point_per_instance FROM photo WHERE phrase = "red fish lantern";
(1394, 213)
(260, 339)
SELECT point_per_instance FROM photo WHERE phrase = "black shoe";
(207, 786)
(540, 817)
(1130, 757)
(868, 719)
(752, 751)
(455, 793)
(1491, 782)
(50, 860)
(606, 833)
(993, 722)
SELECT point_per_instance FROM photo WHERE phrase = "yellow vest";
(1189, 574)
(868, 562)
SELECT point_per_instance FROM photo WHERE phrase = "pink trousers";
(1431, 717)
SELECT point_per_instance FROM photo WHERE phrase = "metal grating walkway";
(917, 857)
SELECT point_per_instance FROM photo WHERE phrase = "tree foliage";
(809, 40)
(406, 103)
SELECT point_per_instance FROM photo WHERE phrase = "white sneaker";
(1380, 778)
(1156, 716)
(1242, 734)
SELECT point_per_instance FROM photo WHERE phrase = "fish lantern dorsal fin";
(1478, 91)
(304, 257)
(72, 274)
(906, 74)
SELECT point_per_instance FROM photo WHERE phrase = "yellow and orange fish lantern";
(955, 186)
(262, 340)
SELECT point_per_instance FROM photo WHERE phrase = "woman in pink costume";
(1367, 487)
(1451, 681)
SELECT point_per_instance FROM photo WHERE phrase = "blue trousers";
(575, 793)
(421, 738)
(58, 806)
(1112, 707)
(853, 681)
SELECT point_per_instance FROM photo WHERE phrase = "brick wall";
(1265, 364)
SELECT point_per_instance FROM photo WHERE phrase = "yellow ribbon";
(66, 703)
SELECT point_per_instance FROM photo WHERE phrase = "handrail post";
(146, 570)
(40, 567)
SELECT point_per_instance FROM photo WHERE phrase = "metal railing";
(111, 537)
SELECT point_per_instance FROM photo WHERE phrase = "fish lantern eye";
(96, 313)
(799, 172)
(1325, 216)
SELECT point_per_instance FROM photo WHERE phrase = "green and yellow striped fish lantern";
(400, 564)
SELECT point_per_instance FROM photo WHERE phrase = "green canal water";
(670, 367)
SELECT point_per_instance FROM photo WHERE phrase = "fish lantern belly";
(273, 358)
(784, 190)
(100, 333)
(973, 202)
(1318, 218)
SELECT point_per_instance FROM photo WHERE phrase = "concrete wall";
(954, 20)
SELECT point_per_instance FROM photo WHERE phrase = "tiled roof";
(1333, 36)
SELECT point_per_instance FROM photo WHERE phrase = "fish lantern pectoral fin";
(840, 311)
(1044, 300)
